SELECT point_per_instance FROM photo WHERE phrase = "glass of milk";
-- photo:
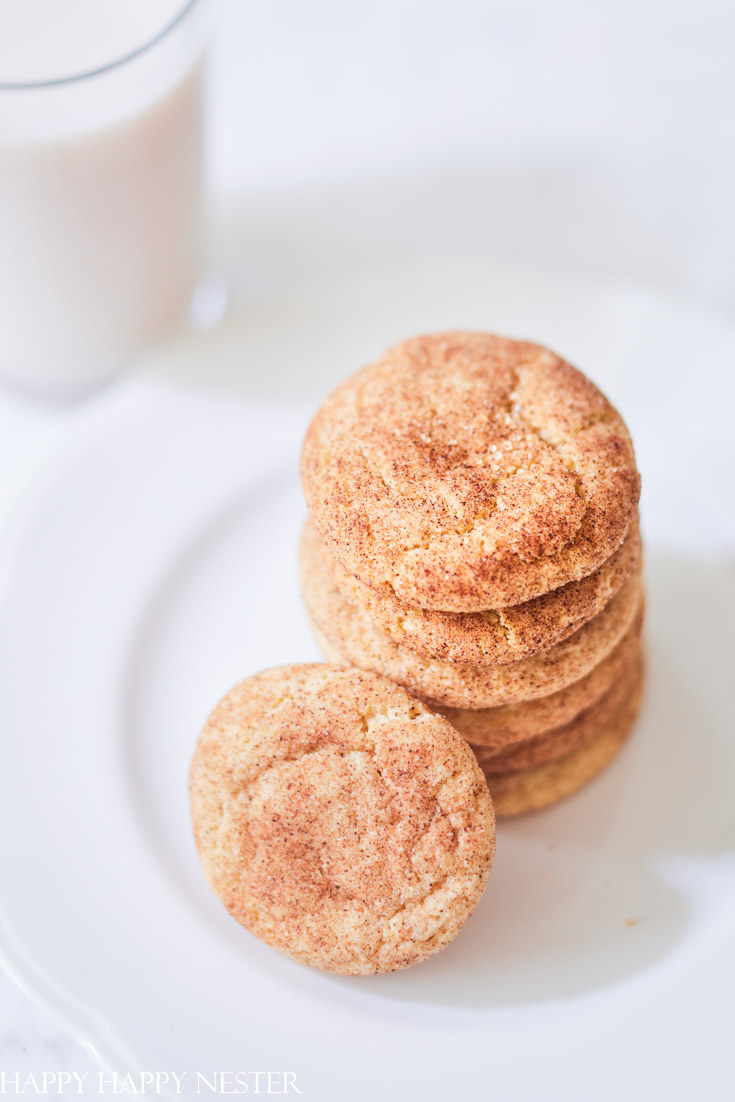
(100, 184)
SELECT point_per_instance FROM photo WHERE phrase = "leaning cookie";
(502, 727)
(492, 637)
(544, 785)
(466, 471)
(339, 820)
(443, 684)
(561, 741)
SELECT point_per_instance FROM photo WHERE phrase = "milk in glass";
(100, 184)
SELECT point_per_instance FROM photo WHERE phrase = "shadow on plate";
(608, 884)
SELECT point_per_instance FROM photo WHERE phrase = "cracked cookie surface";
(494, 636)
(339, 820)
(350, 636)
(465, 471)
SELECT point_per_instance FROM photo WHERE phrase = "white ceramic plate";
(154, 566)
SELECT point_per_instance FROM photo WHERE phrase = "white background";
(592, 139)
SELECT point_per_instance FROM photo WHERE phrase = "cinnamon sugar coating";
(550, 745)
(465, 471)
(494, 636)
(352, 637)
(498, 729)
(339, 820)
(543, 785)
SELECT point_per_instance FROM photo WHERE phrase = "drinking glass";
(100, 184)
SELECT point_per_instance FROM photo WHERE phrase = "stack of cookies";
(474, 537)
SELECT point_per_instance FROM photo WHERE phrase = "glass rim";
(100, 70)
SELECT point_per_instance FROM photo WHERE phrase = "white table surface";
(595, 140)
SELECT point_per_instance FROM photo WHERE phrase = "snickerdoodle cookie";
(495, 636)
(444, 684)
(561, 741)
(339, 820)
(543, 785)
(498, 728)
(466, 471)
